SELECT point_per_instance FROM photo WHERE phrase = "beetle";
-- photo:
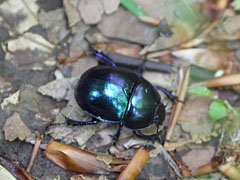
(115, 95)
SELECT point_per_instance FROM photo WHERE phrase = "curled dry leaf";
(217, 164)
(75, 159)
(209, 59)
(17, 172)
(209, 167)
(135, 166)
(119, 47)
(227, 80)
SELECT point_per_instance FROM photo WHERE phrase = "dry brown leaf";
(75, 159)
(209, 167)
(15, 128)
(17, 172)
(227, 80)
(209, 59)
(119, 47)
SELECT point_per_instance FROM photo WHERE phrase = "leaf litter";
(207, 44)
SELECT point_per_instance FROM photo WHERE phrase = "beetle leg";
(117, 135)
(152, 137)
(100, 54)
(80, 123)
(73, 122)
(171, 97)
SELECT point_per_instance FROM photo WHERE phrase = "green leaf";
(217, 110)
(236, 4)
(201, 91)
(136, 10)
(133, 7)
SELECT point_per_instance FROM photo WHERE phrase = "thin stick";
(34, 152)
(168, 158)
(181, 93)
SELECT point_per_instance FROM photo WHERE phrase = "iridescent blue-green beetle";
(116, 95)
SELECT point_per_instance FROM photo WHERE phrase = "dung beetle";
(115, 95)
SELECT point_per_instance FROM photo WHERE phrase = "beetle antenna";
(99, 53)
(93, 48)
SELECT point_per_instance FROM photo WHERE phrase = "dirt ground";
(43, 53)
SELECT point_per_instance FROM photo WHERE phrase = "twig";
(35, 150)
(168, 158)
(181, 93)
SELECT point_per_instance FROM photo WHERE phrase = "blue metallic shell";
(103, 92)
(142, 105)
(115, 95)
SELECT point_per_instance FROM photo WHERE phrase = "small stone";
(72, 13)
(123, 25)
(110, 6)
(91, 11)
